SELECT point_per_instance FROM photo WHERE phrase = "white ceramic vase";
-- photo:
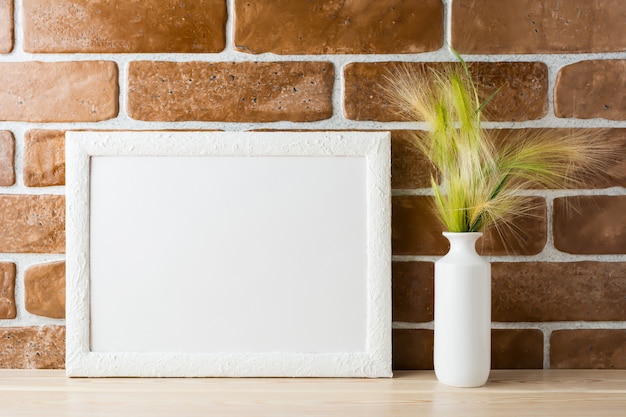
(462, 352)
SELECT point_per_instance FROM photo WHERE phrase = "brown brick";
(338, 26)
(7, 290)
(6, 26)
(44, 289)
(558, 291)
(32, 223)
(412, 349)
(233, 92)
(510, 349)
(44, 158)
(409, 167)
(523, 91)
(590, 224)
(32, 347)
(586, 90)
(615, 175)
(516, 349)
(412, 291)
(124, 26)
(523, 94)
(526, 235)
(417, 231)
(7, 158)
(538, 26)
(588, 349)
(80, 91)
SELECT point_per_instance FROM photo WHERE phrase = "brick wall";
(559, 289)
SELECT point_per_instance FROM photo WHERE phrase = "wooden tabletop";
(417, 394)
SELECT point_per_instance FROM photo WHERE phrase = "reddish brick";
(523, 94)
(44, 158)
(7, 290)
(338, 27)
(32, 347)
(590, 224)
(32, 223)
(80, 91)
(412, 349)
(412, 291)
(44, 289)
(234, 92)
(588, 349)
(7, 158)
(6, 26)
(538, 26)
(586, 90)
(124, 26)
(558, 291)
(409, 167)
(417, 231)
(516, 349)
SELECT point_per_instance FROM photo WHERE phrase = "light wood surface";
(508, 393)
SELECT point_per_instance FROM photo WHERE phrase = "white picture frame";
(228, 254)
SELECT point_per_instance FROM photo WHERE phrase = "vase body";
(462, 349)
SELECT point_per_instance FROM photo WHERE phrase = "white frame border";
(374, 362)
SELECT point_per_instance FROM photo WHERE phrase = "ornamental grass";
(482, 171)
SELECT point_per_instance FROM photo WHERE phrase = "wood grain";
(516, 393)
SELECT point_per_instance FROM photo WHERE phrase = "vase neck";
(462, 242)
